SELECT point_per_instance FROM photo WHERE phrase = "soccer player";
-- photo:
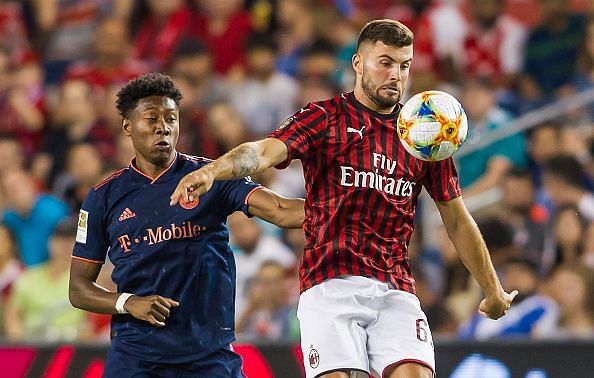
(174, 270)
(357, 309)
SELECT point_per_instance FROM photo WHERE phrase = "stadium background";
(523, 70)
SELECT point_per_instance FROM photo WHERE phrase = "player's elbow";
(74, 296)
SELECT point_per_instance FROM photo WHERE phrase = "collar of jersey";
(152, 180)
(391, 116)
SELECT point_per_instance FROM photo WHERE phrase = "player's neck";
(150, 169)
(366, 101)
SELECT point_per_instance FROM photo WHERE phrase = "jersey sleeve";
(441, 180)
(92, 241)
(236, 193)
(302, 133)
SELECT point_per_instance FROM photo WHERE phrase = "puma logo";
(353, 130)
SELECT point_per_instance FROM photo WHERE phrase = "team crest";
(286, 123)
(190, 204)
(314, 358)
(82, 226)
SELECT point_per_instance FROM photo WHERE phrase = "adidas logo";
(126, 214)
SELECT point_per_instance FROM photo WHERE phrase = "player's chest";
(145, 218)
(371, 149)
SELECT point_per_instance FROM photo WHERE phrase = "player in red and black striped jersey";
(357, 307)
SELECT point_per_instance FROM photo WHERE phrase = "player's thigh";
(223, 363)
(400, 336)
(408, 370)
(118, 365)
(332, 339)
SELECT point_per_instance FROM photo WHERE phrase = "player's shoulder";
(110, 180)
(192, 162)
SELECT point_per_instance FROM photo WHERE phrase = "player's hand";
(193, 184)
(153, 309)
(494, 307)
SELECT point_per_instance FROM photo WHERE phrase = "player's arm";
(278, 210)
(471, 247)
(244, 160)
(86, 294)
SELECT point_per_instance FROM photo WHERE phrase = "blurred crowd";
(243, 67)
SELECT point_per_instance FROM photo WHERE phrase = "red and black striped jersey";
(362, 188)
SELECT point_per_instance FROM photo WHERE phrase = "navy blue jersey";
(180, 252)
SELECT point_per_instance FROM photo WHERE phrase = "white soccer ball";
(432, 125)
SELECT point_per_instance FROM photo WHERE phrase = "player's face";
(153, 126)
(384, 71)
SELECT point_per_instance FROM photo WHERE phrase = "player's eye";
(385, 63)
(152, 119)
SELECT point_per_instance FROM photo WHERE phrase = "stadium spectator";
(12, 155)
(84, 169)
(534, 315)
(268, 315)
(564, 181)
(10, 269)
(112, 63)
(493, 43)
(22, 103)
(573, 289)
(75, 120)
(295, 23)
(543, 144)
(224, 27)
(13, 32)
(158, 36)
(552, 51)
(38, 307)
(485, 169)
(63, 32)
(226, 127)
(265, 98)
(568, 234)
(253, 249)
(30, 216)
(529, 220)
(587, 258)
(318, 61)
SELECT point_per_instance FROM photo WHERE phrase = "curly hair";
(151, 84)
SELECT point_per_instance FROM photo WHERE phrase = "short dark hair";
(566, 168)
(151, 84)
(390, 32)
(260, 42)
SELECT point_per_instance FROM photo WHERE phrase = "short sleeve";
(441, 180)
(302, 133)
(236, 193)
(91, 236)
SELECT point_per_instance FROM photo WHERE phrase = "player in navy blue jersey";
(357, 308)
(174, 270)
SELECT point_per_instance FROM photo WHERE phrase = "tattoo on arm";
(245, 161)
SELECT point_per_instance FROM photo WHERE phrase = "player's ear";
(357, 63)
(126, 126)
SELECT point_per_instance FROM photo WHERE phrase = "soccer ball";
(432, 125)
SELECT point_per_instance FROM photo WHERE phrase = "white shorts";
(359, 323)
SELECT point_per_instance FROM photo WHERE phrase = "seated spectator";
(226, 127)
(485, 169)
(38, 307)
(223, 26)
(159, 34)
(253, 249)
(568, 237)
(529, 220)
(552, 51)
(112, 63)
(543, 144)
(10, 269)
(319, 60)
(572, 287)
(564, 181)
(532, 315)
(84, 169)
(266, 97)
(31, 217)
(268, 316)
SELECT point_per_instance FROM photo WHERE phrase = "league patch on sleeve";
(81, 231)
